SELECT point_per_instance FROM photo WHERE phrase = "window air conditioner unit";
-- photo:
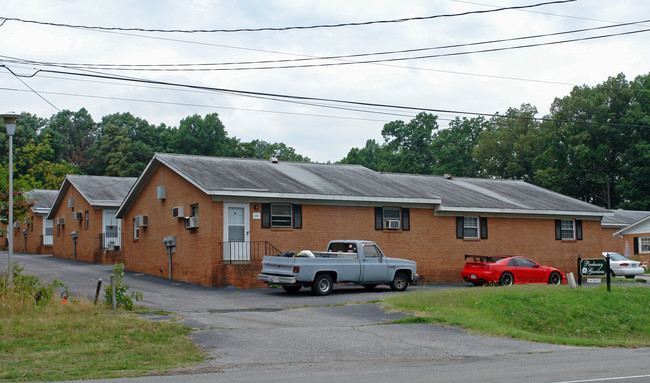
(17, 224)
(59, 221)
(191, 222)
(76, 215)
(393, 224)
(141, 220)
(178, 212)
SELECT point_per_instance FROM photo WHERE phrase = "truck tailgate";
(277, 265)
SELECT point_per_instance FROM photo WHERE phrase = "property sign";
(589, 267)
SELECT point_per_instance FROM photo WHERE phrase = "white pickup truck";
(354, 261)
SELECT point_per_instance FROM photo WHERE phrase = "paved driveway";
(253, 334)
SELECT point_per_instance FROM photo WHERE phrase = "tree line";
(594, 145)
(45, 150)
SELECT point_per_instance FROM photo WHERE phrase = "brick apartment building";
(224, 214)
(615, 222)
(85, 208)
(34, 234)
(637, 236)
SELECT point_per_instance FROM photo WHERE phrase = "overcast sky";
(478, 82)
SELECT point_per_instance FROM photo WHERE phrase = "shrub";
(123, 297)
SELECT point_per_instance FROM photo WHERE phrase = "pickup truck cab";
(354, 261)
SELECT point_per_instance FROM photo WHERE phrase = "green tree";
(409, 144)
(73, 135)
(265, 150)
(200, 136)
(453, 147)
(509, 147)
(36, 162)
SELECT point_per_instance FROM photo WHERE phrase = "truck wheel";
(400, 282)
(292, 289)
(322, 285)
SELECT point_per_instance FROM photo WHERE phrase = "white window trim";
(385, 219)
(282, 215)
(642, 244)
(477, 227)
(573, 229)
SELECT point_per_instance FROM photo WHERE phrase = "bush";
(123, 297)
(26, 291)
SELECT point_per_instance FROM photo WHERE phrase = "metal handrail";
(245, 251)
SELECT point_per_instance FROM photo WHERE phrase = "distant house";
(219, 216)
(614, 223)
(637, 236)
(34, 234)
(84, 209)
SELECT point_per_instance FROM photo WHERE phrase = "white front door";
(236, 232)
(111, 229)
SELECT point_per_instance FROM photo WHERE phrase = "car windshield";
(617, 257)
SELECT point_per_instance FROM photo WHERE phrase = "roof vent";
(448, 176)
(273, 160)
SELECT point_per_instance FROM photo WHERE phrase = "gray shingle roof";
(99, 191)
(496, 196)
(326, 182)
(623, 218)
(43, 200)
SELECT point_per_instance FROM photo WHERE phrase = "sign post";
(596, 267)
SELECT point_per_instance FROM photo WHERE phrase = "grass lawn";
(78, 340)
(540, 313)
(42, 339)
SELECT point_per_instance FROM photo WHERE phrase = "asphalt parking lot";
(248, 334)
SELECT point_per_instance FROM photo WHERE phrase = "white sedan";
(623, 267)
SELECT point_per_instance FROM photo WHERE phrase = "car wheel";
(400, 282)
(555, 278)
(506, 279)
(292, 289)
(322, 285)
(370, 286)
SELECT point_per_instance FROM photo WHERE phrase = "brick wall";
(88, 239)
(612, 243)
(34, 236)
(432, 241)
(195, 259)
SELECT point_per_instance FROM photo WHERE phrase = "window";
(86, 219)
(370, 251)
(568, 229)
(390, 214)
(471, 227)
(392, 218)
(136, 231)
(280, 215)
(194, 210)
(644, 244)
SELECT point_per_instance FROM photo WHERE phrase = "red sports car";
(506, 270)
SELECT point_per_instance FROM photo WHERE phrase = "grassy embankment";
(54, 341)
(550, 314)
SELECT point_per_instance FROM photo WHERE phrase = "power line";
(362, 23)
(31, 89)
(319, 58)
(341, 63)
(335, 101)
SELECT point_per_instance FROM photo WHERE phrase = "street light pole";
(10, 123)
